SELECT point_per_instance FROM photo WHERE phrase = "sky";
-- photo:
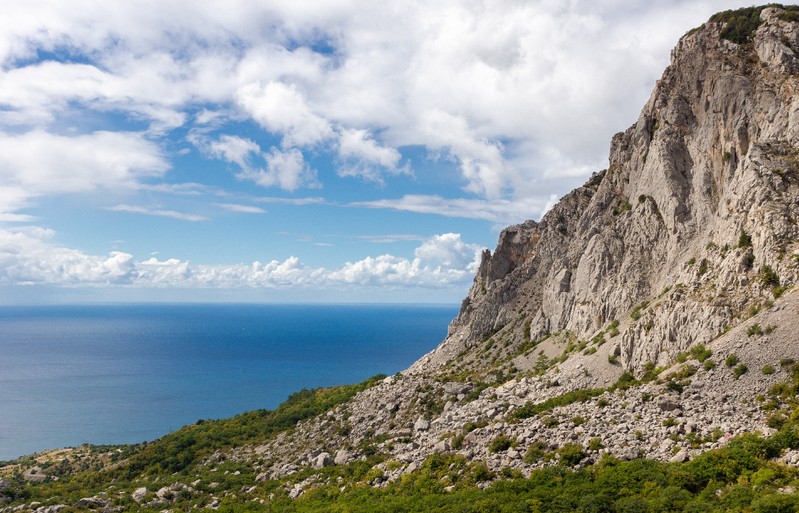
(298, 151)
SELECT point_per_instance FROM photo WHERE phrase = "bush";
(701, 353)
(768, 370)
(731, 361)
(754, 329)
(674, 386)
(577, 396)
(768, 276)
(535, 452)
(571, 454)
(744, 240)
(740, 370)
(500, 443)
(740, 24)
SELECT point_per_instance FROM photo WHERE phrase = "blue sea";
(117, 374)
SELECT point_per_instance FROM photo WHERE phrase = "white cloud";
(234, 149)
(287, 169)
(134, 209)
(244, 209)
(284, 169)
(499, 211)
(281, 109)
(524, 96)
(39, 163)
(363, 157)
(291, 201)
(30, 257)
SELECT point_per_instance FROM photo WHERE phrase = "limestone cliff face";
(696, 215)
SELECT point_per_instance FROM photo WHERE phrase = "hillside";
(650, 314)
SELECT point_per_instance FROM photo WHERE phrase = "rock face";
(701, 195)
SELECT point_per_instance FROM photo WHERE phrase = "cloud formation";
(518, 94)
(39, 163)
(29, 257)
(191, 110)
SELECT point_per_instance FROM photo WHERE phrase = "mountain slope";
(648, 314)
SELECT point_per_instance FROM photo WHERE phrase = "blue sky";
(301, 151)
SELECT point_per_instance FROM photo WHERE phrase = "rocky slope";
(649, 313)
(685, 242)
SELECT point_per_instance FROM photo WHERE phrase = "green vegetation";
(577, 396)
(188, 445)
(636, 313)
(740, 370)
(768, 276)
(754, 329)
(530, 409)
(744, 240)
(500, 443)
(740, 24)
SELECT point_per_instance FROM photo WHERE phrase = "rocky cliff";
(696, 214)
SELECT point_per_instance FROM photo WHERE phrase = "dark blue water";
(129, 373)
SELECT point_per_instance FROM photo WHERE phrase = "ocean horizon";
(129, 373)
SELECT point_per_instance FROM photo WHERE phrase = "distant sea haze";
(130, 373)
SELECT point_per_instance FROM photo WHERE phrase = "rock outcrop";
(696, 214)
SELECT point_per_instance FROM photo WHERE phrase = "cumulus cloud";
(281, 109)
(285, 169)
(363, 157)
(29, 257)
(523, 96)
(39, 163)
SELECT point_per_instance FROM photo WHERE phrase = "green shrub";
(703, 267)
(625, 381)
(740, 370)
(571, 453)
(768, 276)
(500, 443)
(739, 25)
(674, 386)
(731, 360)
(550, 422)
(701, 353)
(768, 370)
(744, 240)
(576, 396)
(535, 452)
(754, 329)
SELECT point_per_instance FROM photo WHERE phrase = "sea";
(122, 373)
